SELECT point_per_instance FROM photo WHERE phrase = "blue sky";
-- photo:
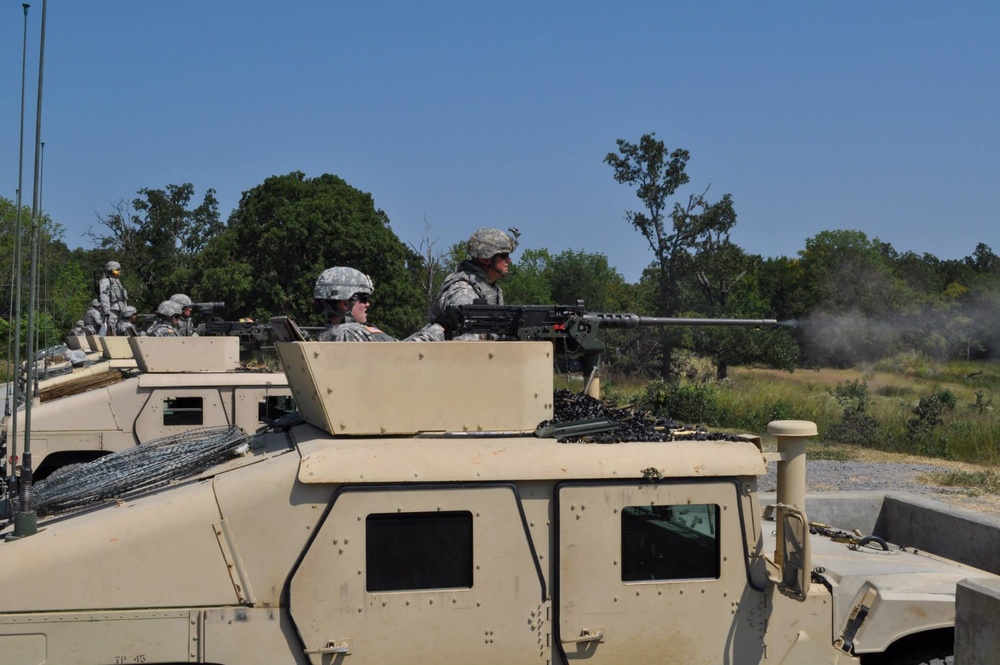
(874, 116)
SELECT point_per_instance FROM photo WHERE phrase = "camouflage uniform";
(352, 331)
(77, 329)
(92, 318)
(185, 328)
(125, 327)
(467, 284)
(470, 282)
(113, 296)
(164, 327)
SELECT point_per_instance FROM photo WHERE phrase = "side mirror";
(796, 566)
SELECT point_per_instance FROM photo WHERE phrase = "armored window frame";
(418, 551)
(183, 411)
(671, 542)
(273, 407)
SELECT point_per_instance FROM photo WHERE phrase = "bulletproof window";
(275, 406)
(412, 551)
(677, 542)
(183, 411)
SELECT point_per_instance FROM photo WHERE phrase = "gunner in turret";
(343, 295)
(168, 315)
(476, 278)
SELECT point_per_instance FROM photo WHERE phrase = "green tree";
(156, 239)
(578, 275)
(290, 228)
(845, 271)
(528, 280)
(674, 232)
(63, 288)
(727, 277)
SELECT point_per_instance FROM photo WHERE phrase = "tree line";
(851, 298)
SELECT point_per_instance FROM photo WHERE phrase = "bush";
(854, 427)
(687, 403)
(928, 416)
(852, 394)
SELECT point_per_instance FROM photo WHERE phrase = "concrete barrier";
(977, 622)
(955, 533)
(913, 521)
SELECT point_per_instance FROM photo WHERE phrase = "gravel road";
(857, 476)
(850, 476)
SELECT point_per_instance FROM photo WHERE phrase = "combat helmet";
(487, 242)
(168, 308)
(341, 282)
(181, 299)
(128, 311)
(112, 266)
(95, 303)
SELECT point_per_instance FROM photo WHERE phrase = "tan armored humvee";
(177, 384)
(415, 518)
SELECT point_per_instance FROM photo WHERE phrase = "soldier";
(343, 295)
(77, 329)
(186, 327)
(168, 316)
(113, 295)
(126, 326)
(476, 278)
(92, 318)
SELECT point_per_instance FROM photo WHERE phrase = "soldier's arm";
(105, 296)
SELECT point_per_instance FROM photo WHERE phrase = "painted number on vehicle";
(122, 660)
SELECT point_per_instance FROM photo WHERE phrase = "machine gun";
(573, 329)
(208, 309)
(247, 331)
(144, 322)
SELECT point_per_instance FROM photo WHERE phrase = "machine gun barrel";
(208, 308)
(627, 320)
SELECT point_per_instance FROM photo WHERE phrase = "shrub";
(928, 416)
(687, 403)
(854, 427)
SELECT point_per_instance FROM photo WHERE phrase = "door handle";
(587, 635)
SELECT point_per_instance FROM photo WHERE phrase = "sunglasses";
(362, 297)
(503, 255)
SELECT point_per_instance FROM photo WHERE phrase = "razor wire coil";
(145, 466)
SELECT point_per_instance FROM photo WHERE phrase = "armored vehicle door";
(443, 574)
(654, 573)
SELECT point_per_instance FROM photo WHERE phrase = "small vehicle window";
(411, 551)
(275, 406)
(183, 411)
(677, 542)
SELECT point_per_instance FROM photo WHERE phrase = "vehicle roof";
(327, 459)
